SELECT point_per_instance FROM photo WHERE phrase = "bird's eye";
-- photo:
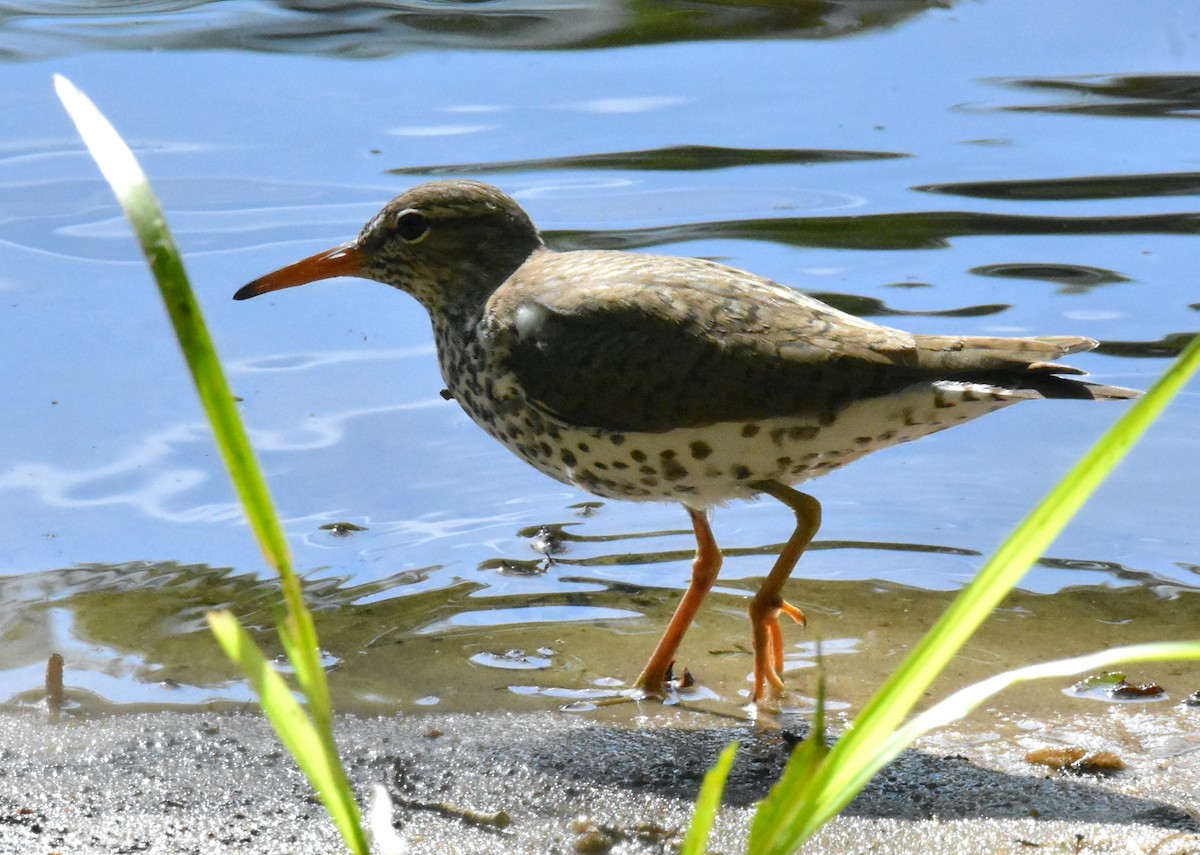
(412, 226)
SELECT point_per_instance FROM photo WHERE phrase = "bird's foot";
(768, 645)
(658, 684)
(652, 682)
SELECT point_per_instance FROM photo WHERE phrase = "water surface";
(983, 168)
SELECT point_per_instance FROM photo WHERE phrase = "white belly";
(704, 466)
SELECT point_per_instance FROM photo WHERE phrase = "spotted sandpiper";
(657, 378)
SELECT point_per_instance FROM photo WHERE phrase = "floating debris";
(1136, 690)
(515, 567)
(342, 529)
(54, 686)
(1115, 685)
(586, 509)
(1076, 761)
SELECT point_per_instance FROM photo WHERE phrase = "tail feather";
(1036, 385)
(983, 353)
(1025, 367)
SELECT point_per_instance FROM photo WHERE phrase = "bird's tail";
(1019, 364)
(1047, 385)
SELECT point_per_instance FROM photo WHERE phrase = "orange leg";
(705, 567)
(768, 602)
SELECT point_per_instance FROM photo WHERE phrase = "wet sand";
(619, 779)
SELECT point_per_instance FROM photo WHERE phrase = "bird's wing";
(629, 342)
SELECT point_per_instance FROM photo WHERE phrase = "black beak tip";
(246, 291)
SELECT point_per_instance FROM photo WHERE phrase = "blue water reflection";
(266, 144)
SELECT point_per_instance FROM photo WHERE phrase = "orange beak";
(343, 260)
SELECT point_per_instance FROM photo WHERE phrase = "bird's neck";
(458, 291)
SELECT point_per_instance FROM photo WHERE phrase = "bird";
(659, 378)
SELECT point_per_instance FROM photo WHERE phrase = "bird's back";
(626, 341)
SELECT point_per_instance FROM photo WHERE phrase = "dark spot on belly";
(796, 433)
(568, 458)
(648, 481)
(740, 472)
(616, 438)
(672, 470)
(584, 447)
(700, 450)
(620, 464)
(750, 430)
(638, 455)
(591, 481)
(647, 470)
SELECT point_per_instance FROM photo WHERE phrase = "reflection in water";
(381, 29)
(562, 535)
(1129, 96)
(1075, 278)
(1168, 590)
(913, 230)
(158, 487)
(155, 476)
(1169, 346)
(1083, 188)
(674, 158)
(515, 660)
(874, 307)
(136, 633)
(217, 212)
(277, 362)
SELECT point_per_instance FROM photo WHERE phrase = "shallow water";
(994, 168)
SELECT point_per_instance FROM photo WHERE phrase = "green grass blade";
(794, 790)
(136, 197)
(965, 700)
(302, 738)
(857, 755)
(133, 192)
(708, 803)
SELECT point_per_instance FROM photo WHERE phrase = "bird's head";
(448, 243)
